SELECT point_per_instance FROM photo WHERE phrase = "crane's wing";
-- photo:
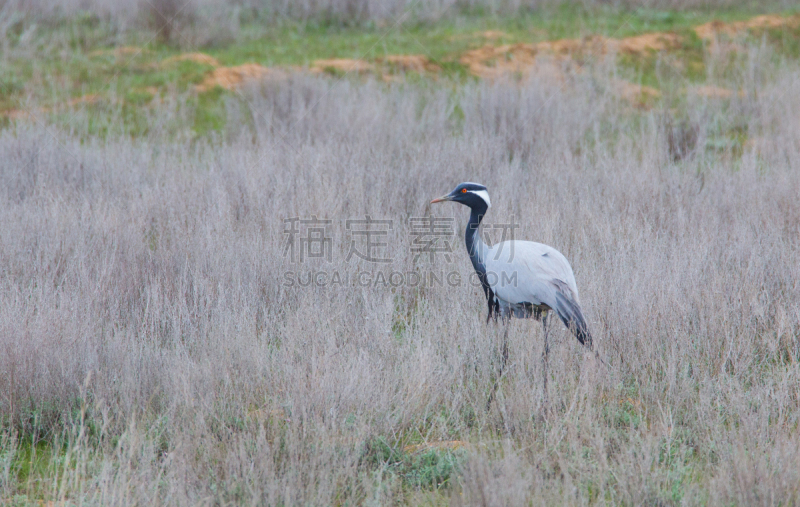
(519, 270)
(528, 272)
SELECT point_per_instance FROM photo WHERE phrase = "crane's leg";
(503, 360)
(545, 352)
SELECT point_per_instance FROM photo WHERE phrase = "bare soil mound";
(232, 77)
(642, 44)
(344, 65)
(493, 61)
(490, 62)
(415, 63)
(120, 52)
(712, 29)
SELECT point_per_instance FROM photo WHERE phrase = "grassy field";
(85, 62)
(163, 342)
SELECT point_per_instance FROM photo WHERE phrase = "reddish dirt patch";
(233, 77)
(712, 29)
(555, 61)
(642, 44)
(593, 44)
(549, 60)
(201, 58)
(345, 65)
(493, 61)
(415, 63)
(120, 52)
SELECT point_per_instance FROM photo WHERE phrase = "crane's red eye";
(463, 190)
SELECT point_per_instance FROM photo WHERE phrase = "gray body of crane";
(520, 279)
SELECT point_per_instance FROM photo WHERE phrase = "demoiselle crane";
(520, 279)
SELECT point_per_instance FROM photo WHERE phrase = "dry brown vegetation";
(148, 336)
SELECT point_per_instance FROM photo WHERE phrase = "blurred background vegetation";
(116, 61)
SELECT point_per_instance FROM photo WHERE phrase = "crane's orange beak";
(443, 198)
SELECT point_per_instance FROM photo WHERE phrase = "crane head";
(473, 195)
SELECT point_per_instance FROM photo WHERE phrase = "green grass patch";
(426, 469)
(29, 460)
(210, 115)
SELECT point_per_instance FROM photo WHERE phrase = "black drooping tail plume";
(570, 314)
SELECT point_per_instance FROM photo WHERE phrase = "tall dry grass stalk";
(148, 335)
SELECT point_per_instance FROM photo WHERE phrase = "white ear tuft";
(483, 194)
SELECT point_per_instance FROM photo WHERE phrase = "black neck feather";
(475, 248)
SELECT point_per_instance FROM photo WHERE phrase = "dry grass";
(148, 337)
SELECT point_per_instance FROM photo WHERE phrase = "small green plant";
(425, 469)
(10, 84)
(432, 469)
